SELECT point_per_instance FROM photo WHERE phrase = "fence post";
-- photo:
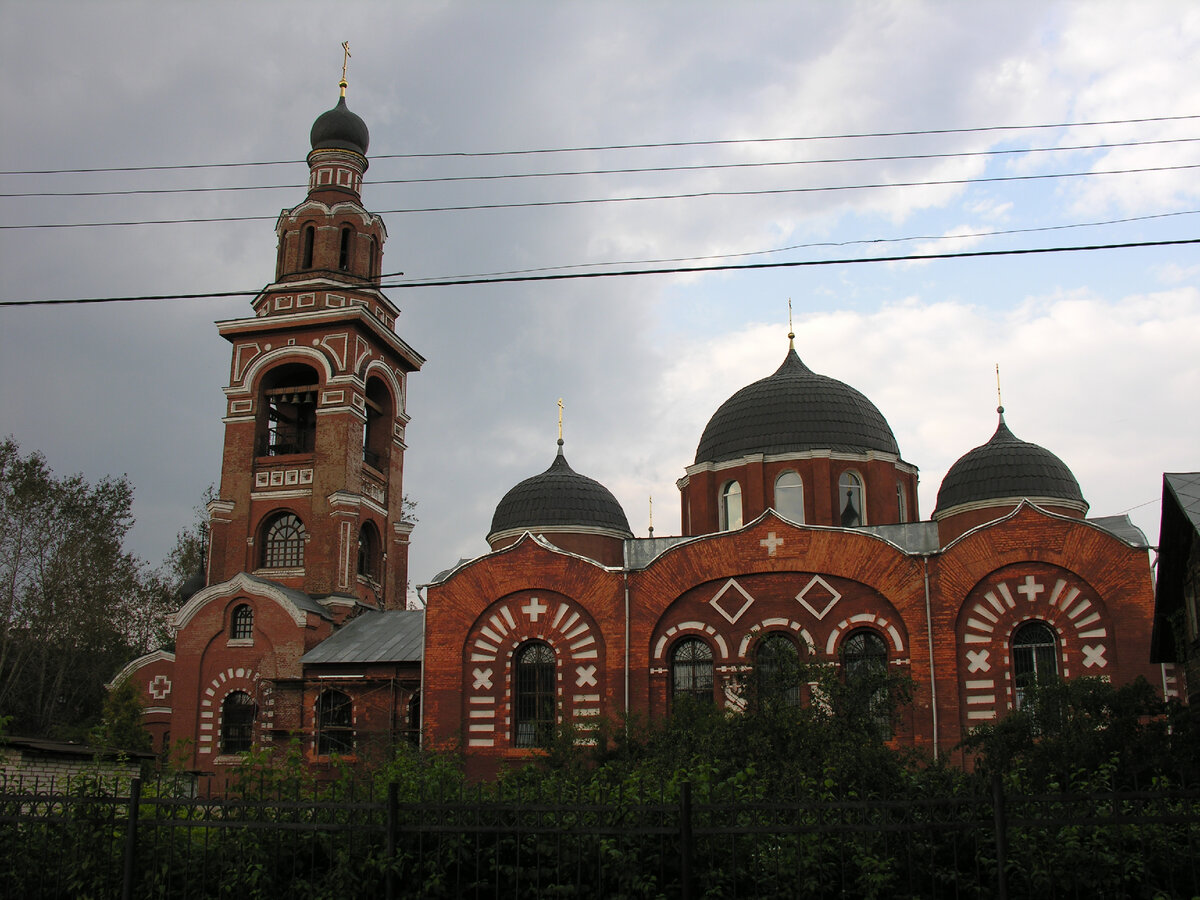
(131, 824)
(393, 818)
(685, 839)
(1000, 825)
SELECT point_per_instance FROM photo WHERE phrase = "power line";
(646, 146)
(677, 270)
(636, 170)
(824, 244)
(691, 195)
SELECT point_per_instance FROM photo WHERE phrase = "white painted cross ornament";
(534, 608)
(771, 542)
(1031, 588)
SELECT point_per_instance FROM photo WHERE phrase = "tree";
(74, 606)
(120, 725)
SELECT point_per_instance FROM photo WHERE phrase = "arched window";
(374, 273)
(851, 492)
(901, 503)
(731, 506)
(789, 496)
(377, 430)
(777, 670)
(1034, 657)
(237, 723)
(306, 252)
(287, 420)
(368, 551)
(283, 542)
(864, 662)
(692, 670)
(242, 623)
(344, 250)
(534, 695)
(335, 723)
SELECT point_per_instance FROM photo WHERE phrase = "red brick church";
(800, 537)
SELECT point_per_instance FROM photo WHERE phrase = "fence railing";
(132, 839)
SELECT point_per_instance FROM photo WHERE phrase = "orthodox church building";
(800, 538)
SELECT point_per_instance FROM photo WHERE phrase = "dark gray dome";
(795, 410)
(1007, 467)
(340, 129)
(559, 497)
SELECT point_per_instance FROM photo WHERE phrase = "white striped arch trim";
(869, 620)
(691, 628)
(767, 625)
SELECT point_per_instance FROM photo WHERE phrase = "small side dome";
(340, 129)
(1008, 468)
(559, 499)
(791, 411)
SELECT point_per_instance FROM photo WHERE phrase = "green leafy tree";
(120, 725)
(74, 606)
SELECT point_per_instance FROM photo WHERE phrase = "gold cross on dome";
(560, 411)
(345, 61)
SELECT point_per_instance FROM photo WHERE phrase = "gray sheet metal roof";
(372, 637)
(301, 599)
(1122, 527)
(1179, 530)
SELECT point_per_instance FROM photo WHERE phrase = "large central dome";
(792, 411)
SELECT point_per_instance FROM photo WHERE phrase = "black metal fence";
(129, 839)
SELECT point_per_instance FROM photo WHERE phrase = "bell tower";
(312, 480)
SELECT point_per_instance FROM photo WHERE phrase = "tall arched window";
(534, 700)
(344, 249)
(851, 491)
(377, 430)
(789, 496)
(731, 506)
(692, 670)
(287, 418)
(777, 670)
(1034, 657)
(237, 723)
(864, 662)
(283, 542)
(306, 252)
(374, 272)
(368, 551)
(242, 623)
(335, 723)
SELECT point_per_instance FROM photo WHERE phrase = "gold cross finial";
(560, 411)
(791, 331)
(345, 61)
(999, 399)
(651, 516)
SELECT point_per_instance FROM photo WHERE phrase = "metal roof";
(372, 637)
(1007, 467)
(1179, 532)
(791, 411)
(559, 497)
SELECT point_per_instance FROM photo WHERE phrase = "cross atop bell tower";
(311, 490)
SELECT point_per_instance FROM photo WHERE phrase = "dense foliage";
(74, 606)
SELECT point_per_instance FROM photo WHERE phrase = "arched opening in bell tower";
(287, 420)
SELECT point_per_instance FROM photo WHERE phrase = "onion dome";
(792, 411)
(559, 499)
(340, 129)
(1008, 468)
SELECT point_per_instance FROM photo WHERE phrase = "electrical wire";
(637, 170)
(646, 146)
(691, 195)
(917, 257)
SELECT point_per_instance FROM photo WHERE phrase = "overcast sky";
(1099, 351)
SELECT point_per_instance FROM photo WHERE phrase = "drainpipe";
(932, 676)
(626, 576)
